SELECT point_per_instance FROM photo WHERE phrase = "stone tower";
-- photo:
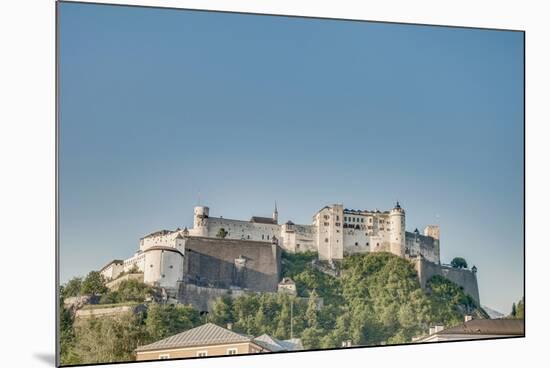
(200, 220)
(397, 232)
(434, 232)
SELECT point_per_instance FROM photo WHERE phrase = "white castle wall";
(112, 270)
(298, 238)
(138, 260)
(163, 267)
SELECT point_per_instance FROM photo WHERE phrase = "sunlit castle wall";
(163, 266)
(257, 229)
(330, 237)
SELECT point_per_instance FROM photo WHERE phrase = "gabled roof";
(488, 327)
(263, 220)
(207, 334)
(273, 344)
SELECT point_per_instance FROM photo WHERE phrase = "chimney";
(230, 326)
(468, 317)
(438, 328)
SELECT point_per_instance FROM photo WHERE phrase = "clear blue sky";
(157, 105)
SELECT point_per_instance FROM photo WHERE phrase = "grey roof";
(163, 247)
(263, 220)
(157, 233)
(273, 344)
(115, 261)
(207, 334)
(488, 327)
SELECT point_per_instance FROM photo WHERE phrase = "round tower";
(397, 232)
(200, 220)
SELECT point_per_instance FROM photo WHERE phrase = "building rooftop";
(207, 334)
(163, 247)
(488, 327)
(158, 233)
(114, 261)
(263, 220)
(273, 344)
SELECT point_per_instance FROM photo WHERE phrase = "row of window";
(204, 353)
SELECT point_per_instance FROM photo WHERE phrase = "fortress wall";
(465, 278)
(242, 229)
(427, 246)
(227, 262)
(203, 298)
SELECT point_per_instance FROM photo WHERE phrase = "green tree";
(221, 233)
(311, 338)
(459, 262)
(109, 339)
(167, 320)
(67, 336)
(94, 284)
(514, 311)
(73, 287)
(222, 313)
(311, 312)
(520, 309)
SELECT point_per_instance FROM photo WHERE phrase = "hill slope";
(376, 300)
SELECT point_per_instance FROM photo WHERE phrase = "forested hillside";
(376, 300)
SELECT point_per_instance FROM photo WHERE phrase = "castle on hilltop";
(335, 231)
(229, 253)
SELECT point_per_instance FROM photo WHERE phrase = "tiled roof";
(263, 220)
(273, 344)
(488, 327)
(207, 334)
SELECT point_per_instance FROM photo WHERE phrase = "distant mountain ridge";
(493, 313)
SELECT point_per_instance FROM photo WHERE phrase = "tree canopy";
(222, 233)
(94, 284)
(459, 262)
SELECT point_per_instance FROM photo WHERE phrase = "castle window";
(171, 266)
(367, 244)
(151, 265)
(268, 237)
(337, 218)
(356, 244)
(262, 236)
(326, 240)
(362, 220)
(163, 275)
